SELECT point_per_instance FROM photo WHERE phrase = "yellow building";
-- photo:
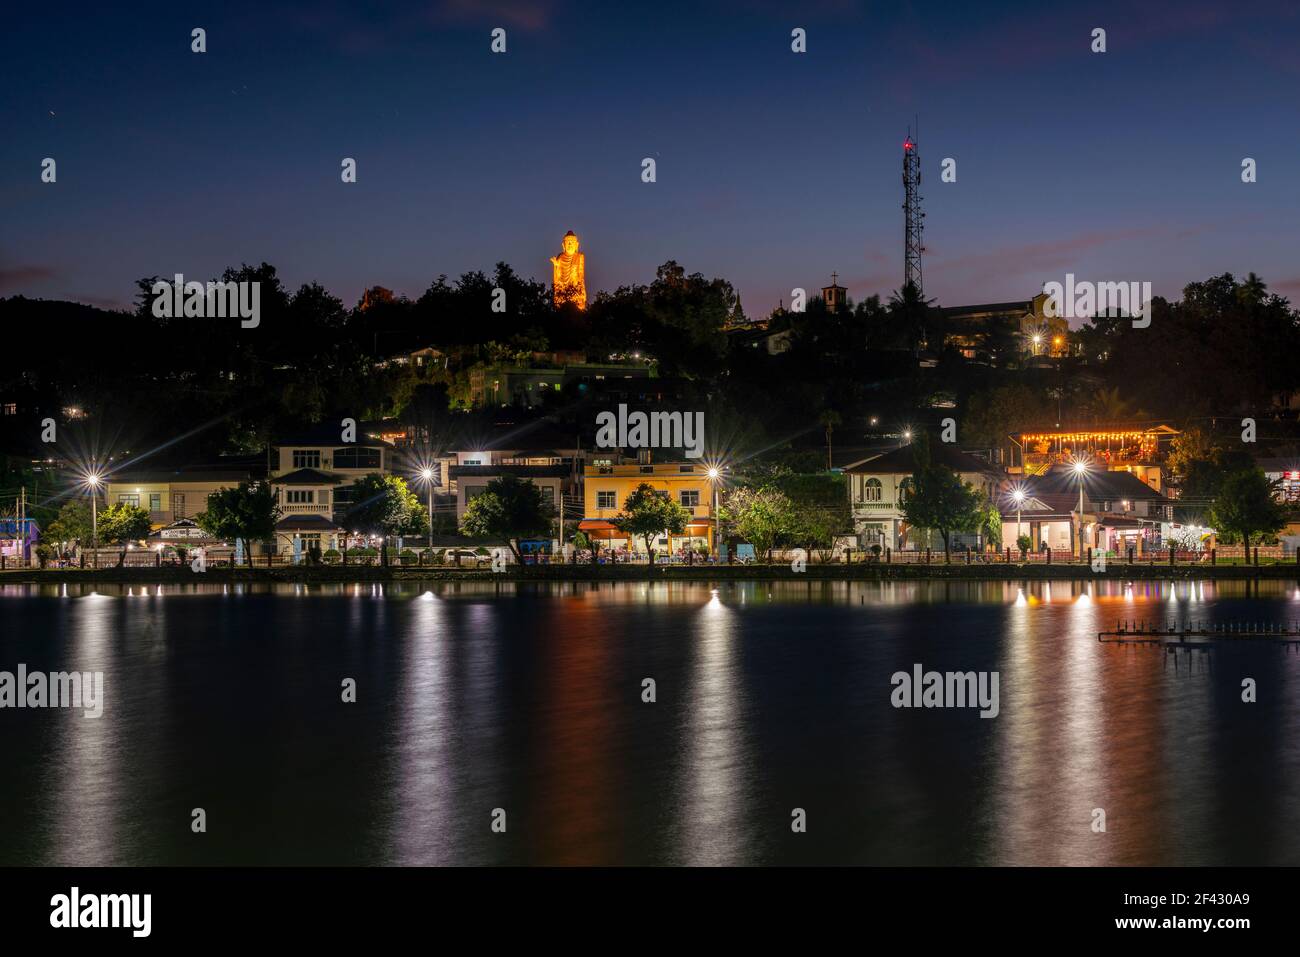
(606, 488)
(169, 496)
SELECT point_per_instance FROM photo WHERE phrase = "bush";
(44, 553)
(332, 556)
(407, 557)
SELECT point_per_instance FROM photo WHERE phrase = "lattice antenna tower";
(913, 217)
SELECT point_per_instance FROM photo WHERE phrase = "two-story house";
(169, 495)
(878, 486)
(1120, 511)
(607, 486)
(313, 473)
(472, 481)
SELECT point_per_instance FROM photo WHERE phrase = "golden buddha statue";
(569, 273)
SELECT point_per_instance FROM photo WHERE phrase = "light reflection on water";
(528, 697)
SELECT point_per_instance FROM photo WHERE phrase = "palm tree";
(1252, 290)
(912, 308)
(1108, 406)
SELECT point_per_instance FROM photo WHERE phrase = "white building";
(878, 485)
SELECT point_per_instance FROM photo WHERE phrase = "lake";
(522, 704)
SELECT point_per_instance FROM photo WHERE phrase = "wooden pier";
(1199, 633)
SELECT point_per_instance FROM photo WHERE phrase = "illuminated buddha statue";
(569, 273)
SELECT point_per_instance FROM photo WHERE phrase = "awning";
(596, 525)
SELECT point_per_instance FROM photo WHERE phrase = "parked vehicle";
(466, 557)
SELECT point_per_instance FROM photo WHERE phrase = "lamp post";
(92, 480)
(713, 483)
(1019, 496)
(1080, 469)
(427, 475)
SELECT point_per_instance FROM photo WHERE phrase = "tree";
(72, 524)
(648, 512)
(939, 500)
(1192, 445)
(989, 522)
(122, 523)
(761, 516)
(821, 512)
(246, 511)
(384, 505)
(1107, 405)
(510, 508)
(993, 415)
(1245, 505)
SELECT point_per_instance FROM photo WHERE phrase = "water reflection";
(527, 697)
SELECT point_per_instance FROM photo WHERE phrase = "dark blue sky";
(773, 168)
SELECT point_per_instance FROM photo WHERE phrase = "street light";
(427, 475)
(1080, 468)
(92, 481)
(713, 482)
(1019, 496)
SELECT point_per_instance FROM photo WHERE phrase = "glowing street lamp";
(426, 474)
(1019, 496)
(1080, 468)
(713, 481)
(93, 479)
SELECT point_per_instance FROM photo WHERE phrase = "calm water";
(528, 698)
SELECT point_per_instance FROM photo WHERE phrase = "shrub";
(407, 557)
(332, 556)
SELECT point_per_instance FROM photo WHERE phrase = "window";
(155, 501)
(11, 408)
(606, 500)
(178, 505)
(690, 497)
(904, 489)
(871, 490)
(129, 500)
(306, 458)
(647, 470)
(474, 491)
(300, 496)
(686, 468)
(356, 458)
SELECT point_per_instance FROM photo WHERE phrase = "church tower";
(835, 296)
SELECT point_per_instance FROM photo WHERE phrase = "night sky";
(773, 168)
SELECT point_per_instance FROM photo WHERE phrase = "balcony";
(873, 506)
(306, 508)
